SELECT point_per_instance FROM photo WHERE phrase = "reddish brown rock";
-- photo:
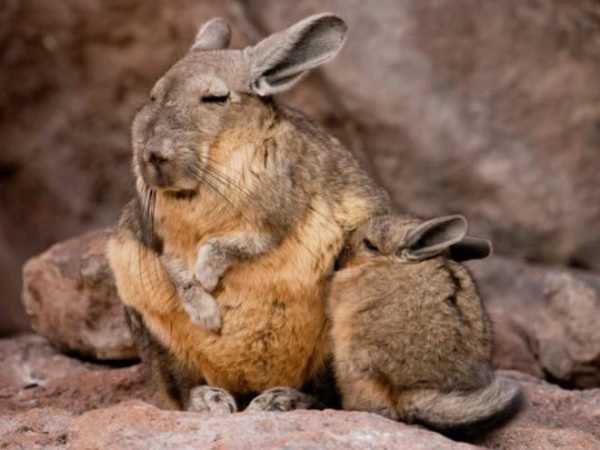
(70, 297)
(29, 360)
(35, 375)
(546, 319)
(36, 429)
(85, 405)
(80, 392)
(552, 418)
(136, 425)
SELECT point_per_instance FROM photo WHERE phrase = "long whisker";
(212, 176)
(149, 221)
(213, 169)
(143, 200)
(212, 181)
(221, 184)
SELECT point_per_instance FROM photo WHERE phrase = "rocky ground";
(49, 400)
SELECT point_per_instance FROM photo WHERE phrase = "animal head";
(218, 94)
(411, 241)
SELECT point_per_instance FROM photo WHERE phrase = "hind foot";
(212, 400)
(282, 399)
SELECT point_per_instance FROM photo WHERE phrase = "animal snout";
(156, 158)
(159, 152)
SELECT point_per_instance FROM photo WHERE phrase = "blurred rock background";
(487, 108)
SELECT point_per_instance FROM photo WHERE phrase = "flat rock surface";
(33, 374)
(142, 427)
(49, 400)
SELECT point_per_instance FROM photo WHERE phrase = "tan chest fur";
(274, 325)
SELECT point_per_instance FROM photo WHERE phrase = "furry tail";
(464, 413)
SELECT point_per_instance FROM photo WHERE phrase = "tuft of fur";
(463, 411)
(411, 339)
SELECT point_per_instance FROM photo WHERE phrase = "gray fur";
(213, 35)
(213, 400)
(279, 61)
(411, 338)
(448, 410)
(433, 237)
(471, 248)
(218, 254)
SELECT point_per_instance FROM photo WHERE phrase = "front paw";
(211, 264)
(202, 309)
(207, 318)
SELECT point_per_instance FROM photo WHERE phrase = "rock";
(552, 418)
(489, 110)
(514, 347)
(36, 429)
(78, 405)
(28, 361)
(34, 375)
(136, 425)
(80, 391)
(70, 297)
(546, 319)
(12, 316)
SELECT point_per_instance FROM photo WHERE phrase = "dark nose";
(156, 159)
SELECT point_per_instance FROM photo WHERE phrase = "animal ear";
(279, 61)
(434, 236)
(470, 248)
(213, 35)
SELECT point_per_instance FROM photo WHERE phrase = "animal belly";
(273, 334)
(269, 338)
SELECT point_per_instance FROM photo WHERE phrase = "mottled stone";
(545, 318)
(71, 298)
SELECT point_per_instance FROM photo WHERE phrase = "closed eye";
(370, 246)
(219, 99)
